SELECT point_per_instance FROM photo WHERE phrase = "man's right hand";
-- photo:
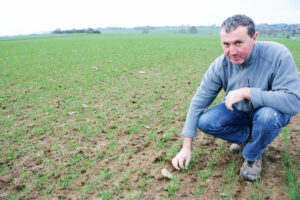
(183, 155)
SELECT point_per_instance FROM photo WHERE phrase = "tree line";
(89, 30)
(289, 30)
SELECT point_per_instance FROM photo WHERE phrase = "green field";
(98, 116)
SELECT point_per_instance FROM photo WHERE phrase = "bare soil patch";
(143, 167)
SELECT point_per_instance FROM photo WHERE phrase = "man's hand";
(236, 96)
(183, 155)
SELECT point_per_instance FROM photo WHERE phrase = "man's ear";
(254, 37)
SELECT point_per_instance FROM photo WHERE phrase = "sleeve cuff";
(189, 133)
(256, 97)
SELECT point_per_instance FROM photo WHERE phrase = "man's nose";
(232, 50)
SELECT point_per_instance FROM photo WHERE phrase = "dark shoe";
(251, 170)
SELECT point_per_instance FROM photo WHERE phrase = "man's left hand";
(236, 96)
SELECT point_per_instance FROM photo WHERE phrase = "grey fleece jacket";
(270, 73)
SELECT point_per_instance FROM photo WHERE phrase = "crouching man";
(262, 94)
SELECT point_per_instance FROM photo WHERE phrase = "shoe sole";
(249, 177)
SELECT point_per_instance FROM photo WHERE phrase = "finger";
(181, 163)
(175, 163)
(187, 161)
(227, 103)
(230, 104)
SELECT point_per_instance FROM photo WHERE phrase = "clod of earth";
(135, 178)
(6, 178)
(19, 184)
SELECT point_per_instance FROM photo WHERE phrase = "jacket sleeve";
(285, 93)
(205, 95)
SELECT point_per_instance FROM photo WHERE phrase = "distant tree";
(89, 30)
(293, 31)
(193, 30)
(145, 31)
(270, 32)
(97, 32)
(57, 31)
(182, 30)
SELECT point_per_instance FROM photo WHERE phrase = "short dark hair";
(233, 22)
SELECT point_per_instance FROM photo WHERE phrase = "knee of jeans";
(266, 115)
(205, 123)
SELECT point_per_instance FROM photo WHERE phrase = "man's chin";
(237, 62)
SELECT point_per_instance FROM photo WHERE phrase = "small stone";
(57, 176)
(30, 125)
(217, 175)
(142, 72)
(224, 195)
(203, 184)
(38, 161)
(126, 162)
(147, 127)
(208, 180)
(36, 169)
(20, 184)
(159, 177)
(71, 113)
(135, 178)
(166, 173)
(6, 178)
(151, 175)
(277, 156)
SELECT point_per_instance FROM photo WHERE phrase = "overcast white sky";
(36, 16)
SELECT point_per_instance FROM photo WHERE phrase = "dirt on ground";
(143, 166)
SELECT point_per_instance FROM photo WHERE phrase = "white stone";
(166, 173)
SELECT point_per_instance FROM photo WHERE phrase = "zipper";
(246, 101)
(241, 77)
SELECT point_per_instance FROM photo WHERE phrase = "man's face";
(237, 44)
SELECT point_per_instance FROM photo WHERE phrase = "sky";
(19, 17)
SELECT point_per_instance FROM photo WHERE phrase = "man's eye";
(238, 43)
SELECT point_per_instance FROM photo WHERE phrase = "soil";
(145, 164)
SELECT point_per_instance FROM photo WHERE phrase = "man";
(262, 94)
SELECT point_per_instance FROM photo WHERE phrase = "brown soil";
(144, 164)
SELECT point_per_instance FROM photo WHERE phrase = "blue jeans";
(234, 126)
